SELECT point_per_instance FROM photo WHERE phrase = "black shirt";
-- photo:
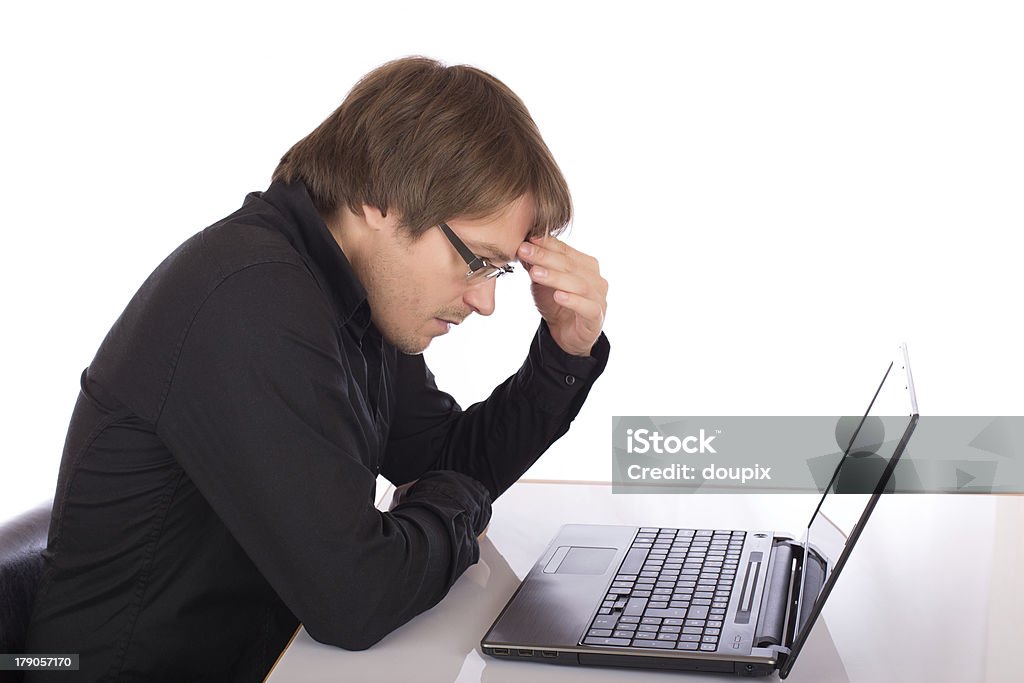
(217, 481)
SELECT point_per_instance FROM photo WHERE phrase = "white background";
(778, 193)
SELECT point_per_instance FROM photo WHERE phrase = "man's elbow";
(345, 636)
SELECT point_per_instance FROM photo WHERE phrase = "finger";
(590, 313)
(551, 242)
(537, 255)
(555, 246)
(557, 279)
(557, 254)
(585, 283)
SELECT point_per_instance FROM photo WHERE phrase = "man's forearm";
(496, 440)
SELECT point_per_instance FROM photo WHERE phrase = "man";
(218, 477)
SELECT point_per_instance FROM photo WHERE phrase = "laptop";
(733, 601)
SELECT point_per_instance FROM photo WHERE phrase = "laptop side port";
(524, 653)
(548, 653)
(500, 650)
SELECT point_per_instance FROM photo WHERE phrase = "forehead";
(498, 235)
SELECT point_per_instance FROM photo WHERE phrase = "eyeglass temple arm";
(472, 260)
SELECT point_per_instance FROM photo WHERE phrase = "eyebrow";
(494, 252)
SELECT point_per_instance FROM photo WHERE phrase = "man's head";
(413, 145)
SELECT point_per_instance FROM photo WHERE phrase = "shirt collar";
(308, 233)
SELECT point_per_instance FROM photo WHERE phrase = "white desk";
(928, 594)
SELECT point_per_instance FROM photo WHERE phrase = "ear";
(375, 218)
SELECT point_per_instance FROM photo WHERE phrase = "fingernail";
(526, 249)
(539, 272)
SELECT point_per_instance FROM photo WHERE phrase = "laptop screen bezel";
(803, 631)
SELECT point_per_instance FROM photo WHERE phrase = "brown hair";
(432, 143)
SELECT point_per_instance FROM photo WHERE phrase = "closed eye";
(493, 254)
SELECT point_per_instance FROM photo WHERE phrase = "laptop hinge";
(790, 553)
(775, 601)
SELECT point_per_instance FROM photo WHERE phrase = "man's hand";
(568, 290)
(399, 495)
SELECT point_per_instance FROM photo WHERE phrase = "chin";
(411, 347)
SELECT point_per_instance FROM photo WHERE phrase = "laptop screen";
(873, 445)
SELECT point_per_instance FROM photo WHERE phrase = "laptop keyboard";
(671, 592)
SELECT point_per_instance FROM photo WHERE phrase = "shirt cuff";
(563, 376)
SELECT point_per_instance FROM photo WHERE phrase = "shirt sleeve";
(260, 416)
(496, 440)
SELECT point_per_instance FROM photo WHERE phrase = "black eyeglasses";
(480, 269)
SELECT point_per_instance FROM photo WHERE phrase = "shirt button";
(570, 380)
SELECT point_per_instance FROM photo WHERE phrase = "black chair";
(22, 540)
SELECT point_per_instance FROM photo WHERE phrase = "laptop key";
(646, 635)
(606, 641)
(708, 647)
(675, 612)
(634, 561)
(635, 607)
(695, 612)
(599, 632)
(687, 646)
(662, 644)
(604, 622)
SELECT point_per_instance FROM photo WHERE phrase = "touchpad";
(579, 560)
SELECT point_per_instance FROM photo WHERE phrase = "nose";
(481, 297)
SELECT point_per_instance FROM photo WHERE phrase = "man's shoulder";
(249, 236)
(136, 359)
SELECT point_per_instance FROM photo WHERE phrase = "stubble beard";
(387, 290)
(387, 294)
